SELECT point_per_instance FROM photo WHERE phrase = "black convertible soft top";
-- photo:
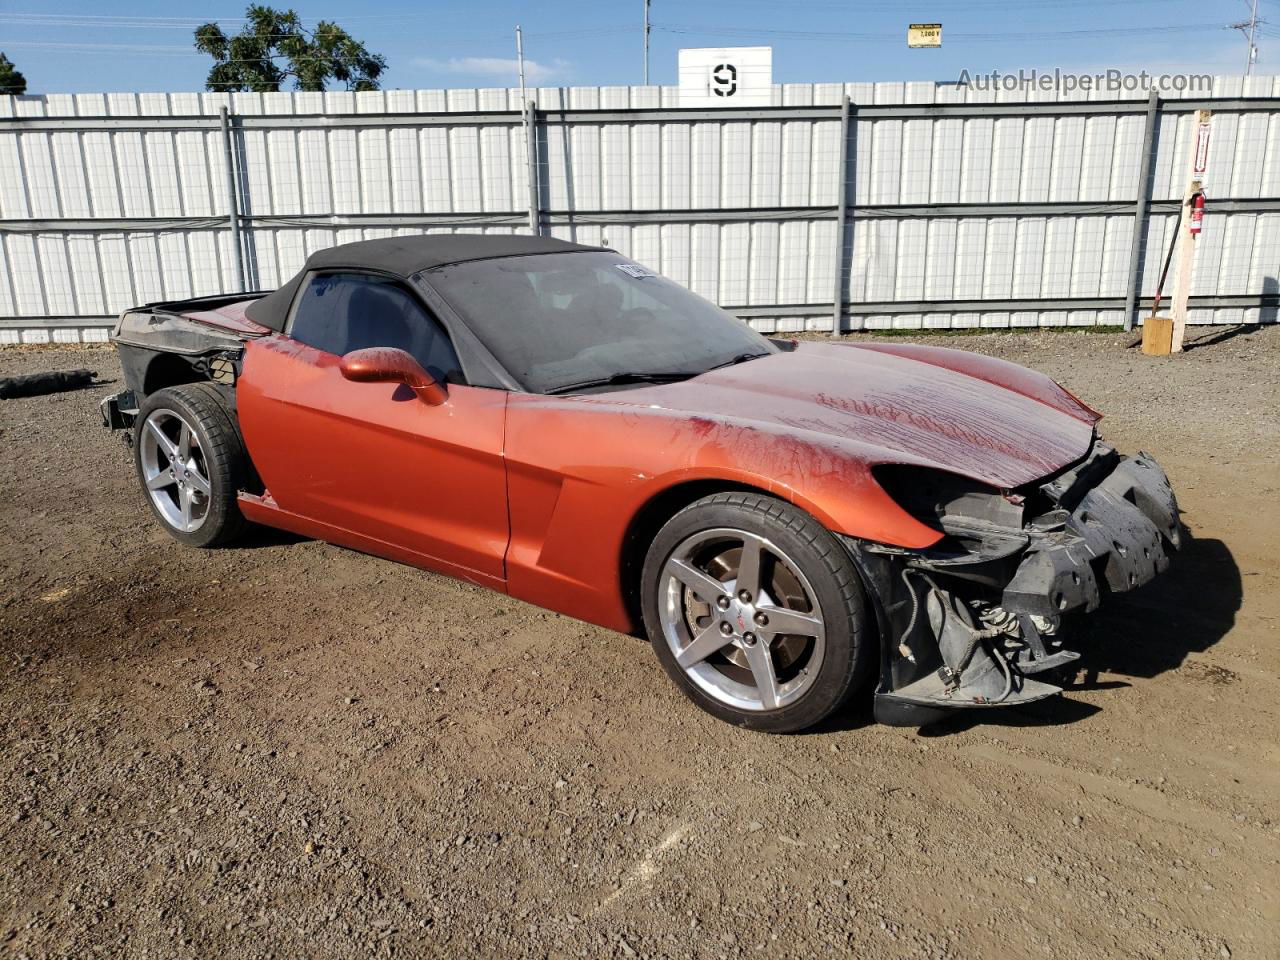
(403, 257)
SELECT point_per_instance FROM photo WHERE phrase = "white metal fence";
(961, 208)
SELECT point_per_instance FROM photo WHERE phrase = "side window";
(341, 312)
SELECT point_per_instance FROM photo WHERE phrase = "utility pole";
(527, 111)
(646, 42)
(520, 60)
(1250, 30)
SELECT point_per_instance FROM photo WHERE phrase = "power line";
(100, 21)
(179, 21)
(94, 20)
(190, 23)
(1010, 36)
(154, 49)
(172, 23)
(106, 22)
(960, 6)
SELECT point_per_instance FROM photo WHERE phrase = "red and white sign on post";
(1200, 162)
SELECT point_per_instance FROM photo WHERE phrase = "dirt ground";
(291, 750)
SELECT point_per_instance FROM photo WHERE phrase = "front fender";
(580, 472)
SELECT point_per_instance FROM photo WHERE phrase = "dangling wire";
(975, 636)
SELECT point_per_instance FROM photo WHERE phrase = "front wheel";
(756, 612)
(191, 463)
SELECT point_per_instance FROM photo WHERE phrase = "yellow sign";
(924, 35)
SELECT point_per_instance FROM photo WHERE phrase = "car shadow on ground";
(1184, 611)
(1142, 634)
(258, 537)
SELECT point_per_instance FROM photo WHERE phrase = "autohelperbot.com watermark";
(1107, 81)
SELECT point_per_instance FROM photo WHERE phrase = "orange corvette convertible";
(788, 522)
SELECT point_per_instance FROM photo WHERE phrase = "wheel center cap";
(740, 615)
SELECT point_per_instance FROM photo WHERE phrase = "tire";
(717, 649)
(216, 460)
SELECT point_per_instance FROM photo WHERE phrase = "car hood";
(987, 419)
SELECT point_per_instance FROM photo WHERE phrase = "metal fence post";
(1140, 211)
(842, 211)
(233, 198)
(531, 150)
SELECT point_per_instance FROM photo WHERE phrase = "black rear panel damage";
(159, 347)
(978, 620)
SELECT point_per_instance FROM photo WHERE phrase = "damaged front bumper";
(978, 620)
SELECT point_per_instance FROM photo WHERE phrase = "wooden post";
(1197, 166)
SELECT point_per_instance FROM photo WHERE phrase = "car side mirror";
(392, 365)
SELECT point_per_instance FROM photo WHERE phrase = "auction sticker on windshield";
(635, 270)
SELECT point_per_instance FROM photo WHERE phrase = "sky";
(145, 45)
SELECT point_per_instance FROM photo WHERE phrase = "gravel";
(287, 749)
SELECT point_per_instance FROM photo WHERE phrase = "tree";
(273, 46)
(11, 81)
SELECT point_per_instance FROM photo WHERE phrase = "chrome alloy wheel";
(741, 619)
(175, 471)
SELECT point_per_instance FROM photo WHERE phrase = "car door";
(370, 458)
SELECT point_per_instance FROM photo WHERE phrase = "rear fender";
(163, 350)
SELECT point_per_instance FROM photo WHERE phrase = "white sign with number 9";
(726, 77)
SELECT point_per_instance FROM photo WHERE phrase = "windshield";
(563, 320)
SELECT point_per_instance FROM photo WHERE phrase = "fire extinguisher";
(1197, 212)
(1197, 221)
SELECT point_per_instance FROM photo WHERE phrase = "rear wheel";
(191, 463)
(756, 612)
